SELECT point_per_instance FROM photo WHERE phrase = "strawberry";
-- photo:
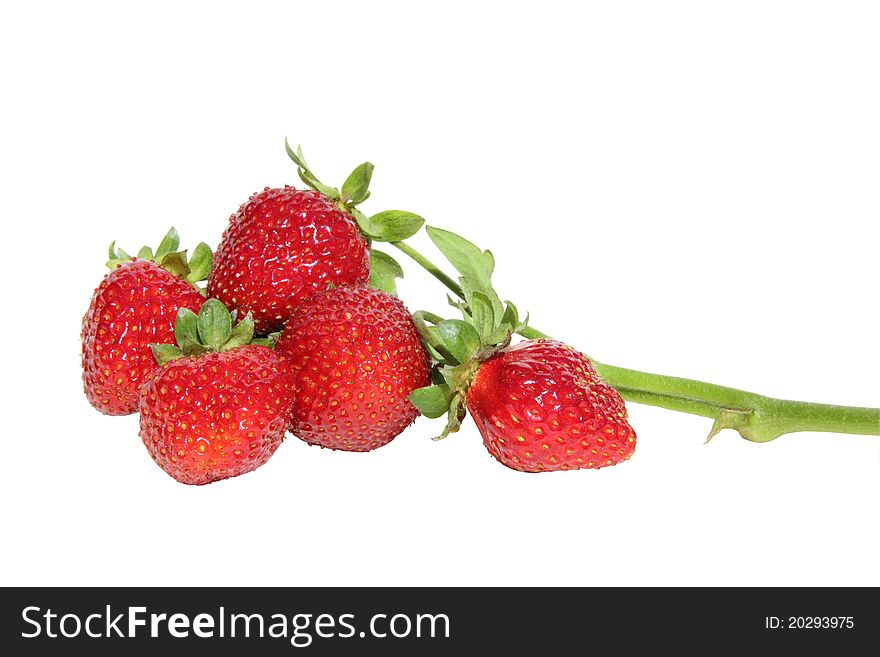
(285, 244)
(540, 406)
(355, 355)
(280, 247)
(219, 405)
(135, 305)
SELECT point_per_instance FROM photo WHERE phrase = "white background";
(686, 187)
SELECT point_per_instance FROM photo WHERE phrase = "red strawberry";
(356, 355)
(133, 306)
(280, 247)
(219, 406)
(540, 406)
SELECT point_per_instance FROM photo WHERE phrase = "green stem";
(431, 268)
(755, 417)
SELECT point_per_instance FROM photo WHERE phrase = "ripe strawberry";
(541, 406)
(133, 306)
(356, 355)
(219, 406)
(280, 247)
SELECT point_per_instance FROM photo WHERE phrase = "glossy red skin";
(356, 355)
(540, 407)
(216, 416)
(134, 305)
(279, 248)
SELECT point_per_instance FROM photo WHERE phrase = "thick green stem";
(755, 417)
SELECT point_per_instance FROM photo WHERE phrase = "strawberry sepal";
(459, 346)
(212, 330)
(193, 269)
(387, 226)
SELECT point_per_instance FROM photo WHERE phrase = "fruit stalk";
(756, 417)
(431, 268)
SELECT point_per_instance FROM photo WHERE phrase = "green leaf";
(460, 338)
(164, 353)
(200, 263)
(175, 263)
(296, 155)
(467, 258)
(431, 401)
(435, 344)
(117, 254)
(470, 287)
(434, 354)
(214, 324)
(454, 416)
(186, 325)
(306, 175)
(169, 243)
(393, 225)
(482, 314)
(474, 265)
(460, 305)
(511, 315)
(241, 334)
(384, 270)
(509, 324)
(146, 253)
(355, 189)
(193, 348)
(363, 223)
(431, 337)
(437, 377)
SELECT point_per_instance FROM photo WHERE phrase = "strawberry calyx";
(213, 329)
(193, 269)
(459, 346)
(386, 226)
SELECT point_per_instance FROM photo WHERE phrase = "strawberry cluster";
(299, 330)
